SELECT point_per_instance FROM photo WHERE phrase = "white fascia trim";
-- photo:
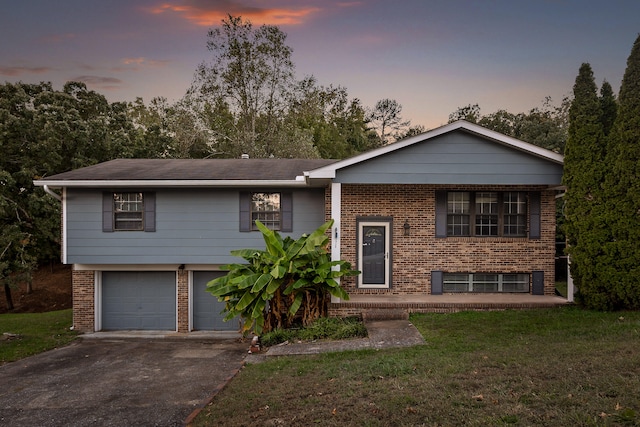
(126, 267)
(329, 171)
(298, 182)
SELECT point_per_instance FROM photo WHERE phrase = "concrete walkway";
(382, 334)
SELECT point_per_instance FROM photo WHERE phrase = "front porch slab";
(450, 303)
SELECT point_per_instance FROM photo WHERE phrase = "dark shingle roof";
(192, 169)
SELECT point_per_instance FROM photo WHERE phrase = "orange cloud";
(204, 14)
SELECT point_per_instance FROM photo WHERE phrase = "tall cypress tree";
(623, 190)
(608, 107)
(584, 176)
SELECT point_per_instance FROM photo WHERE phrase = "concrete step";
(385, 314)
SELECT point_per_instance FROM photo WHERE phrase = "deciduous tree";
(386, 119)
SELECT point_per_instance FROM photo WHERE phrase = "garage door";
(139, 300)
(206, 307)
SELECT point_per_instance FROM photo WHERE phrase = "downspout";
(51, 192)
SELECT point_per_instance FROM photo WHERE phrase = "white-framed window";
(128, 211)
(485, 282)
(266, 208)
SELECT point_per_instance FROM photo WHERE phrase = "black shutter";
(437, 282)
(286, 212)
(245, 211)
(107, 212)
(537, 283)
(149, 200)
(534, 215)
(441, 213)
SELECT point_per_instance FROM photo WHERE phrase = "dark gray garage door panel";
(139, 300)
(206, 307)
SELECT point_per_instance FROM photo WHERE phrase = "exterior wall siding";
(454, 158)
(416, 255)
(193, 226)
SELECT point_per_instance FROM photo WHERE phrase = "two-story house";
(432, 221)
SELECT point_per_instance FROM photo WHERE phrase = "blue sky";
(432, 56)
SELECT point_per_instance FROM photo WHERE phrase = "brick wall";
(183, 301)
(416, 255)
(83, 300)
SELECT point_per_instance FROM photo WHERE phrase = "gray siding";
(454, 158)
(193, 226)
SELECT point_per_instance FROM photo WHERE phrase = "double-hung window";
(265, 207)
(128, 211)
(274, 209)
(486, 213)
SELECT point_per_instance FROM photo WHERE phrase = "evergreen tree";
(623, 190)
(584, 176)
(608, 107)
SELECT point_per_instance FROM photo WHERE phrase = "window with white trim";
(485, 282)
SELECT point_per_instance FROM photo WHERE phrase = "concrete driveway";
(117, 382)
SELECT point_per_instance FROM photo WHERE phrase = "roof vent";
(244, 156)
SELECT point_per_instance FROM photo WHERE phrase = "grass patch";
(36, 332)
(323, 328)
(553, 367)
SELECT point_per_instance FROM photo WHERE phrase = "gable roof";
(329, 171)
(268, 172)
(188, 172)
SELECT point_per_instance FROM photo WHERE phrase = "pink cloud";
(145, 61)
(19, 71)
(203, 13)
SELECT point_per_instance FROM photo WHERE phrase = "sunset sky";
(432, 56)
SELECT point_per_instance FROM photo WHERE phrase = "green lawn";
(555, 367)
(36, 332)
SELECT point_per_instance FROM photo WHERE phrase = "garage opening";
(139, 300)
(206, 308)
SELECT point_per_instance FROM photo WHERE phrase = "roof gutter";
(49, 191)
(298, 182)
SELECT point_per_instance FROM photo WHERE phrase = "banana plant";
(289, 279)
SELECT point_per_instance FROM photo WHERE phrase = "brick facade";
(416, 255)
(83, 286)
